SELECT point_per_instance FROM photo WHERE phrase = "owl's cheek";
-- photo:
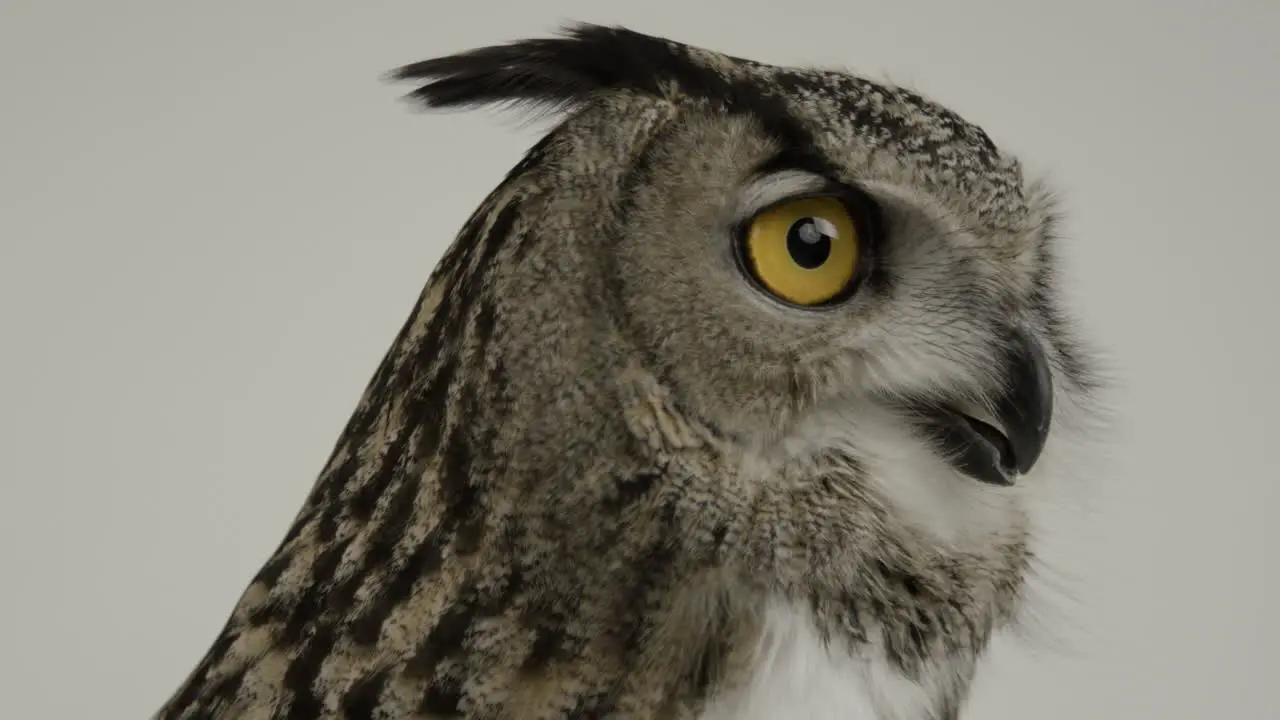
(905, 471)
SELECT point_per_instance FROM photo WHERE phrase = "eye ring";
(810, 252)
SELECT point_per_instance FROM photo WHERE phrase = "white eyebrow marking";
(771, 188)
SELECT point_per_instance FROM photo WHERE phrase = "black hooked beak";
(1000, 449)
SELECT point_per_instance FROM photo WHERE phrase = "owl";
(731, 401)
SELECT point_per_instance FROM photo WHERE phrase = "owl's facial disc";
(998, 450)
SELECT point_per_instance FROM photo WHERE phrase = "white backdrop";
(214, 217)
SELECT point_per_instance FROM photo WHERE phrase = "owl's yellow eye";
(804, 251)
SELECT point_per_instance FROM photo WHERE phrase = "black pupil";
(808, 244)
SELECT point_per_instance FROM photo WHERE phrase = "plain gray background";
(215, 216)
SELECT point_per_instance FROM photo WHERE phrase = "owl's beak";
(1001, 449)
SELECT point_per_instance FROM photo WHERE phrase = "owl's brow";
(768, 189)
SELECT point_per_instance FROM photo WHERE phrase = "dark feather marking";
(589, 706)
(899, 646)
(614, 281)
(546, 615)
(445, 639)
(307, 610)
(227, 687)
(327, 526)
(302, 671)
(492, 601)
(456, 489)
(718, 536)
(472, 233)
(498, 234)
(630, 489)
(470, 533)
(425, 560)
(653, 570)
(471, 508)
(484, 322)
(538, 158)
(442, 701)
(711, 659)
(399, 511)
(851, 618)
(430, 407)
(547, 648)
(361, 700)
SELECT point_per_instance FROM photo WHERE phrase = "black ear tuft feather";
(559, 71)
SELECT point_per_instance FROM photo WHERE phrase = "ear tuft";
(561, 72)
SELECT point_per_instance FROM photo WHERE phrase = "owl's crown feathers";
(566, 71)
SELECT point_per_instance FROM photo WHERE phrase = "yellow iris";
(805, 251)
